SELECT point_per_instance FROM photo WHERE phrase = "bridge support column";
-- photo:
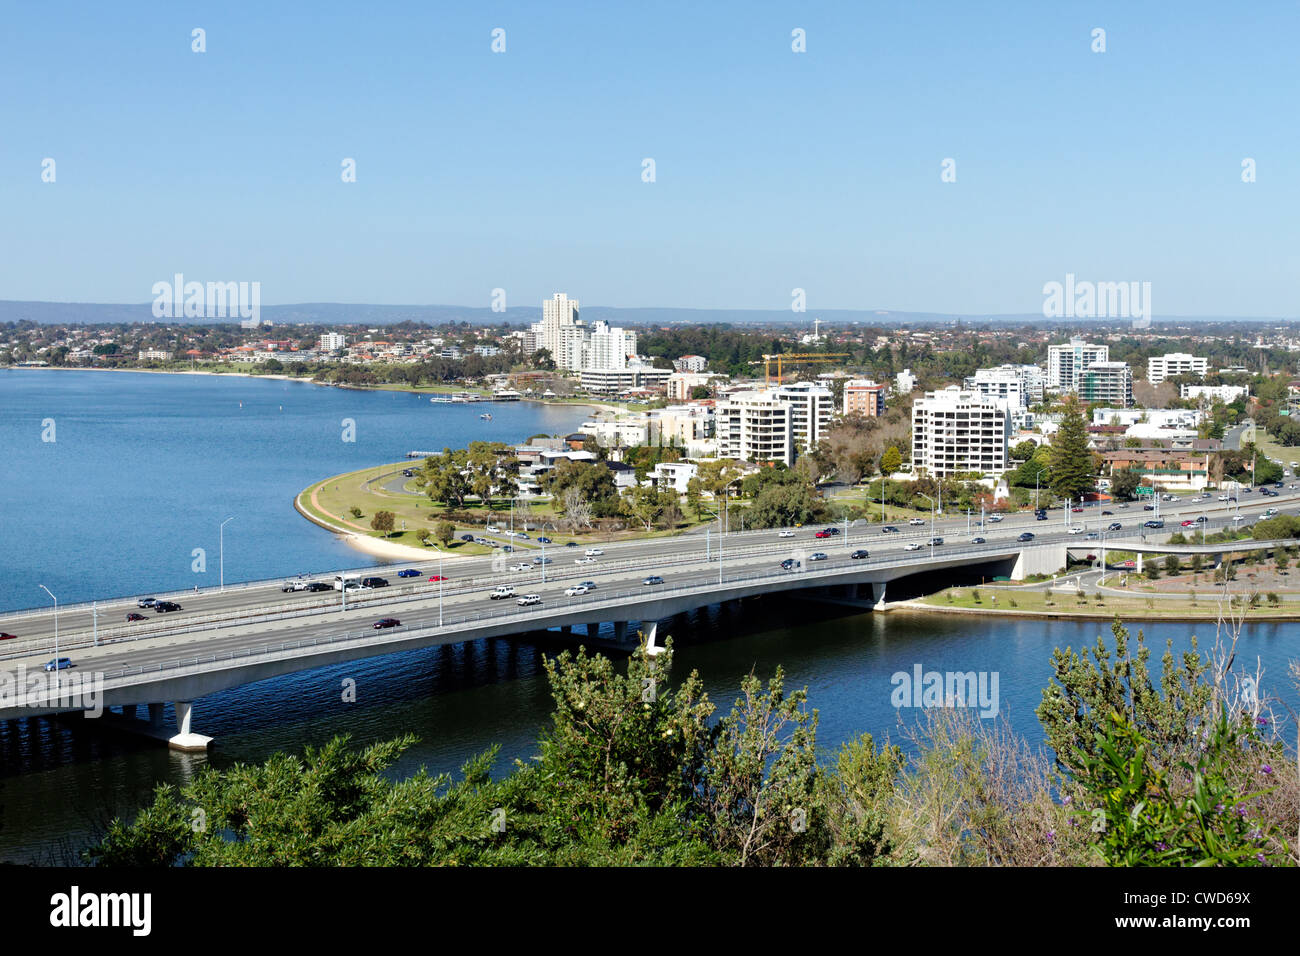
(1139, 565)
(185, 738)
(156, 715)
(651, 648)
(128, 710)
(620, 632)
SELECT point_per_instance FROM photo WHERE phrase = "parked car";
(858, 554)
(575, 590)
(59, 664)
(653, 579)
(162, 607)
(529, 599)
(135, 617)
(294, 584)
(408, 573)
(384, 622)
(1026, 536)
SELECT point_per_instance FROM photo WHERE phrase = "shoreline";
(1211, 614)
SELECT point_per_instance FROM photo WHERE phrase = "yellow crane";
(796, 358)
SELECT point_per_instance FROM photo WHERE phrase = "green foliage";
(383, 521)
(1145, 815)
(444, 531)
(891, 461)
(1071, 460)
(1124, 484)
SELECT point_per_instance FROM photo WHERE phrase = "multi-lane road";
(213, 622)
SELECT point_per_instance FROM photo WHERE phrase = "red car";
(1130, 564)
(1188, 524)
(1077, 510)
(134, 617)
(822, 534)
(439, 577)
(7, 637)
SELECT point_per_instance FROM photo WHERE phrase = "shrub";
(356, 512)
(1273, 599)
(975, 596)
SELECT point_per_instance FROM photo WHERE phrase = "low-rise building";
(1161, 367)
(864, 397)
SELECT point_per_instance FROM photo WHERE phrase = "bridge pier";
(185, 738)
(156, 715)
(1139, 564)
(620, 632)
(651, 648)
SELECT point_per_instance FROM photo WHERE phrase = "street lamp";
(221, 534)
(56, 636)
(931, 500)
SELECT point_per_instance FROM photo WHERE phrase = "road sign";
(1145, 491)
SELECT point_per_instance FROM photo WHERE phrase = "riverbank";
(1062, 606)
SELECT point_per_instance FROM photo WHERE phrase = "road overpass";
(253, 632)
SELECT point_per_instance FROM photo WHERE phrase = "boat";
(486, 416)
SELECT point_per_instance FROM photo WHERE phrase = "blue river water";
(180, 452)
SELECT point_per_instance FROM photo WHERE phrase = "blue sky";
(775, 170)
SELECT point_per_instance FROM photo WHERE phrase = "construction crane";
(796, 358)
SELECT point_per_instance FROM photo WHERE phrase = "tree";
(1023, 451)
(694, 487)
(891, 461)
(383, 521)
(1124, 484)
(1172, 564)
(1071, 461)
(444, 531)
(643, 503)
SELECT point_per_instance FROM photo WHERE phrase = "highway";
(213, 621)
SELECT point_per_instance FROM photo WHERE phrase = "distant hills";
(335, 313)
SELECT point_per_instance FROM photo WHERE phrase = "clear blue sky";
(522, 170)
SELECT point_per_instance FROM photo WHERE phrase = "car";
(786, 534)
(162, 607)
(822, 534)
(1269, 512)
(435, 578)
(817, 556)
(523, 537)
(541, 560)
(467, 537)
(385, 622)
(1026, 536)
(1090, 557)
(492, 529)
(146, 602)
(589, 585)
(1077, 529)
(789, 564)
(859, 554)
(653, 579)
(508, 548)
(58, 664)
(371, 583)
(1246, 491)
(317, 586)
(6, 636)
(584, 560)
(1237, 518)
(978, 540)
(570, 544)
(408, 573)
(916, 521)
(1040, 516)
(1223, 497)
(407, 473)
(935, 542)
(543, 540)
(1201, 519)
(1090, 536)
(529, 599)
(593, 552)
(1148, 507)
(1106, 514)
(575, 590)
(1188, 523)
(294, 584)
(135, 617)
(912, 546)
(1114, 526)
(1077, 511)
(890, 529)
(1154, 523)
(995, 518)
(832, 531)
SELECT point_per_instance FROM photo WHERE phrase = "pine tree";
(1071, 459)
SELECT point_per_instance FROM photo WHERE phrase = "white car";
(1076, 530)
(576, 590)
(917, 521)
(593, 552)
(584, 560)
(786, 534)
(1223, 497)
(995, 518)
(521, 567)
(529, 599)
(492, 529)
(913, 546)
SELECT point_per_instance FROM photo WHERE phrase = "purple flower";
(1051, 836)
(1262, 721)
(1266, 769)
(1066, 800)
(1161, 845)
(1260, 857)
(1218, 808)
(1241, 810)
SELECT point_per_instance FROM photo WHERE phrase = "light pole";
(440, 581)
(56, 636)
(931, 500)
(221, 535)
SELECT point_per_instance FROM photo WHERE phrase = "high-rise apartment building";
(864, 397)
(1066, 363)
(755, 426)
(1161, 367)
(957, 430)
(1107, 383)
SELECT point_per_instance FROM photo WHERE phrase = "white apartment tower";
(755, 426)
(1066, 363)
(1161, 367)
(811, 408)
(956, 430)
